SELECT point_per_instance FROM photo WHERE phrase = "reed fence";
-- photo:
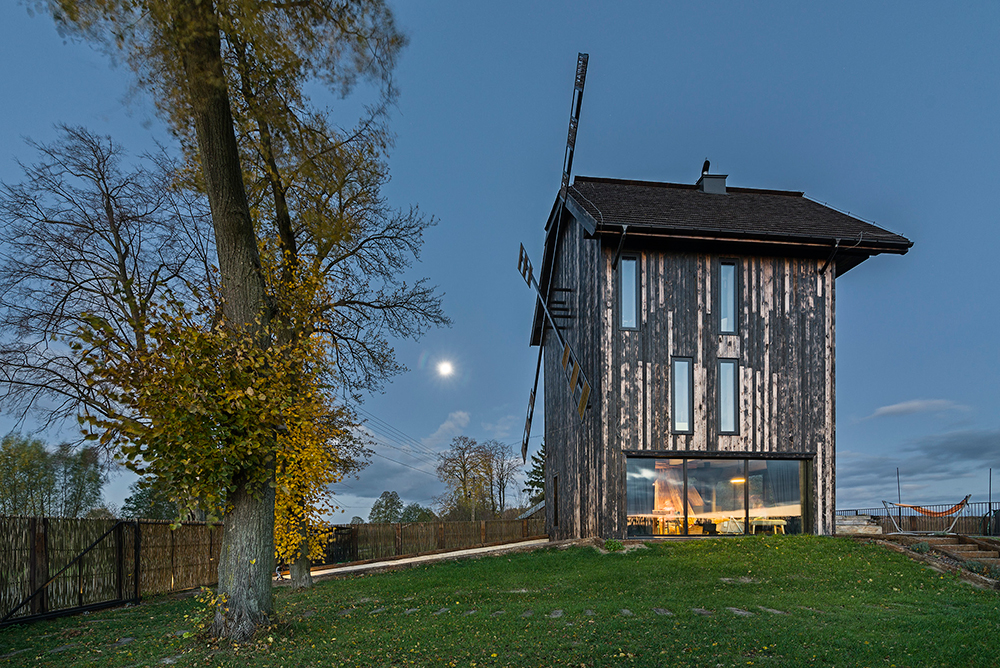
(371, 542)
(976, 519)
(43, 554)
(37, 550)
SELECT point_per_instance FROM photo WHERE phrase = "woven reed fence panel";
(91, 579)
(458, 535)
(155, 569)
(376, 541)
(382, 541)
(178, 559)
(419, 537)
(15, 561)
(502, 531)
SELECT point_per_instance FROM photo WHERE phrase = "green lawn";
(813, 601)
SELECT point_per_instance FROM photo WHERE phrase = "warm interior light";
(738, 481)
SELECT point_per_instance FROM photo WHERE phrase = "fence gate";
(69, 569)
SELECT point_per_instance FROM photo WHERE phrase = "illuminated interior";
(713, 496)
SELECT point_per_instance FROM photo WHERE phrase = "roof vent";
(714, 184)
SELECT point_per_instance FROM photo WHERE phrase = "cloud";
(501, 428)
(917, 406)
(941, 468)
(453, 426)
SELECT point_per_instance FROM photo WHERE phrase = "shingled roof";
(747, 213)
(740, 220)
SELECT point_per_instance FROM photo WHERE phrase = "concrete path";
(409, 562)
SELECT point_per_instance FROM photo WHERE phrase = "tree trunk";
(300, 570)
(247, 558)
(245, 565)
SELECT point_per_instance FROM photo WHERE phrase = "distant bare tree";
(499, 468)
(86, 233)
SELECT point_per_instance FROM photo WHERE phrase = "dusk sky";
(887, 111)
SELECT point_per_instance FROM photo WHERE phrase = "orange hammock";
(928, 513)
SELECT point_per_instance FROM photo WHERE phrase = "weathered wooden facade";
(704, 318)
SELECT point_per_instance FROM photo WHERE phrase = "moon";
(445, 369)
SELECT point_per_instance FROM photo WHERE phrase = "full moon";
(445, 369)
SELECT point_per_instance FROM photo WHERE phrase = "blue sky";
(886, 111)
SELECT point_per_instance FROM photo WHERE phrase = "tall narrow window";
(627, 267)
(727, 298)
(727, 396)
(682, 404)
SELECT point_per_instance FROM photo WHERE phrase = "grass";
(845, 604)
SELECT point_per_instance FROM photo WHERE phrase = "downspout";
(618, 253)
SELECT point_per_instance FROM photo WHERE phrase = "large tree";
(187, 53)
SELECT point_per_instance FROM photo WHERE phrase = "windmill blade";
(531, 408)
(527, 272)
(570, 361)
(574, 120)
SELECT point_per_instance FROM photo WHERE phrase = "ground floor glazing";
(711, 496)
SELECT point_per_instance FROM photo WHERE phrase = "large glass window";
(691, 496)
(629, 294)
(716, 496)
(727, 396)
(727, 297)
(681, 408)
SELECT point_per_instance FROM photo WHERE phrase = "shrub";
(976, 567)
(612, 545)
(923, 547)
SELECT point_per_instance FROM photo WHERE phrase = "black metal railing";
(978, 519)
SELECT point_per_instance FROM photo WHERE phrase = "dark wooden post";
(524, 528)
(440, 535)
(119, 561)
(79, 579)
(38, 568)
(172, 579)
(138, 559)
(482, 532)
(399, 539)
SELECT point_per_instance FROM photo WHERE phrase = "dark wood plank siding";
(784, 345)
(576, 451)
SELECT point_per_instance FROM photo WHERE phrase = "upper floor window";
(727, 396)
(682, 372)
(727, 298)
(628, 276)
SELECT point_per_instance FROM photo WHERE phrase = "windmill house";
(696, 326)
